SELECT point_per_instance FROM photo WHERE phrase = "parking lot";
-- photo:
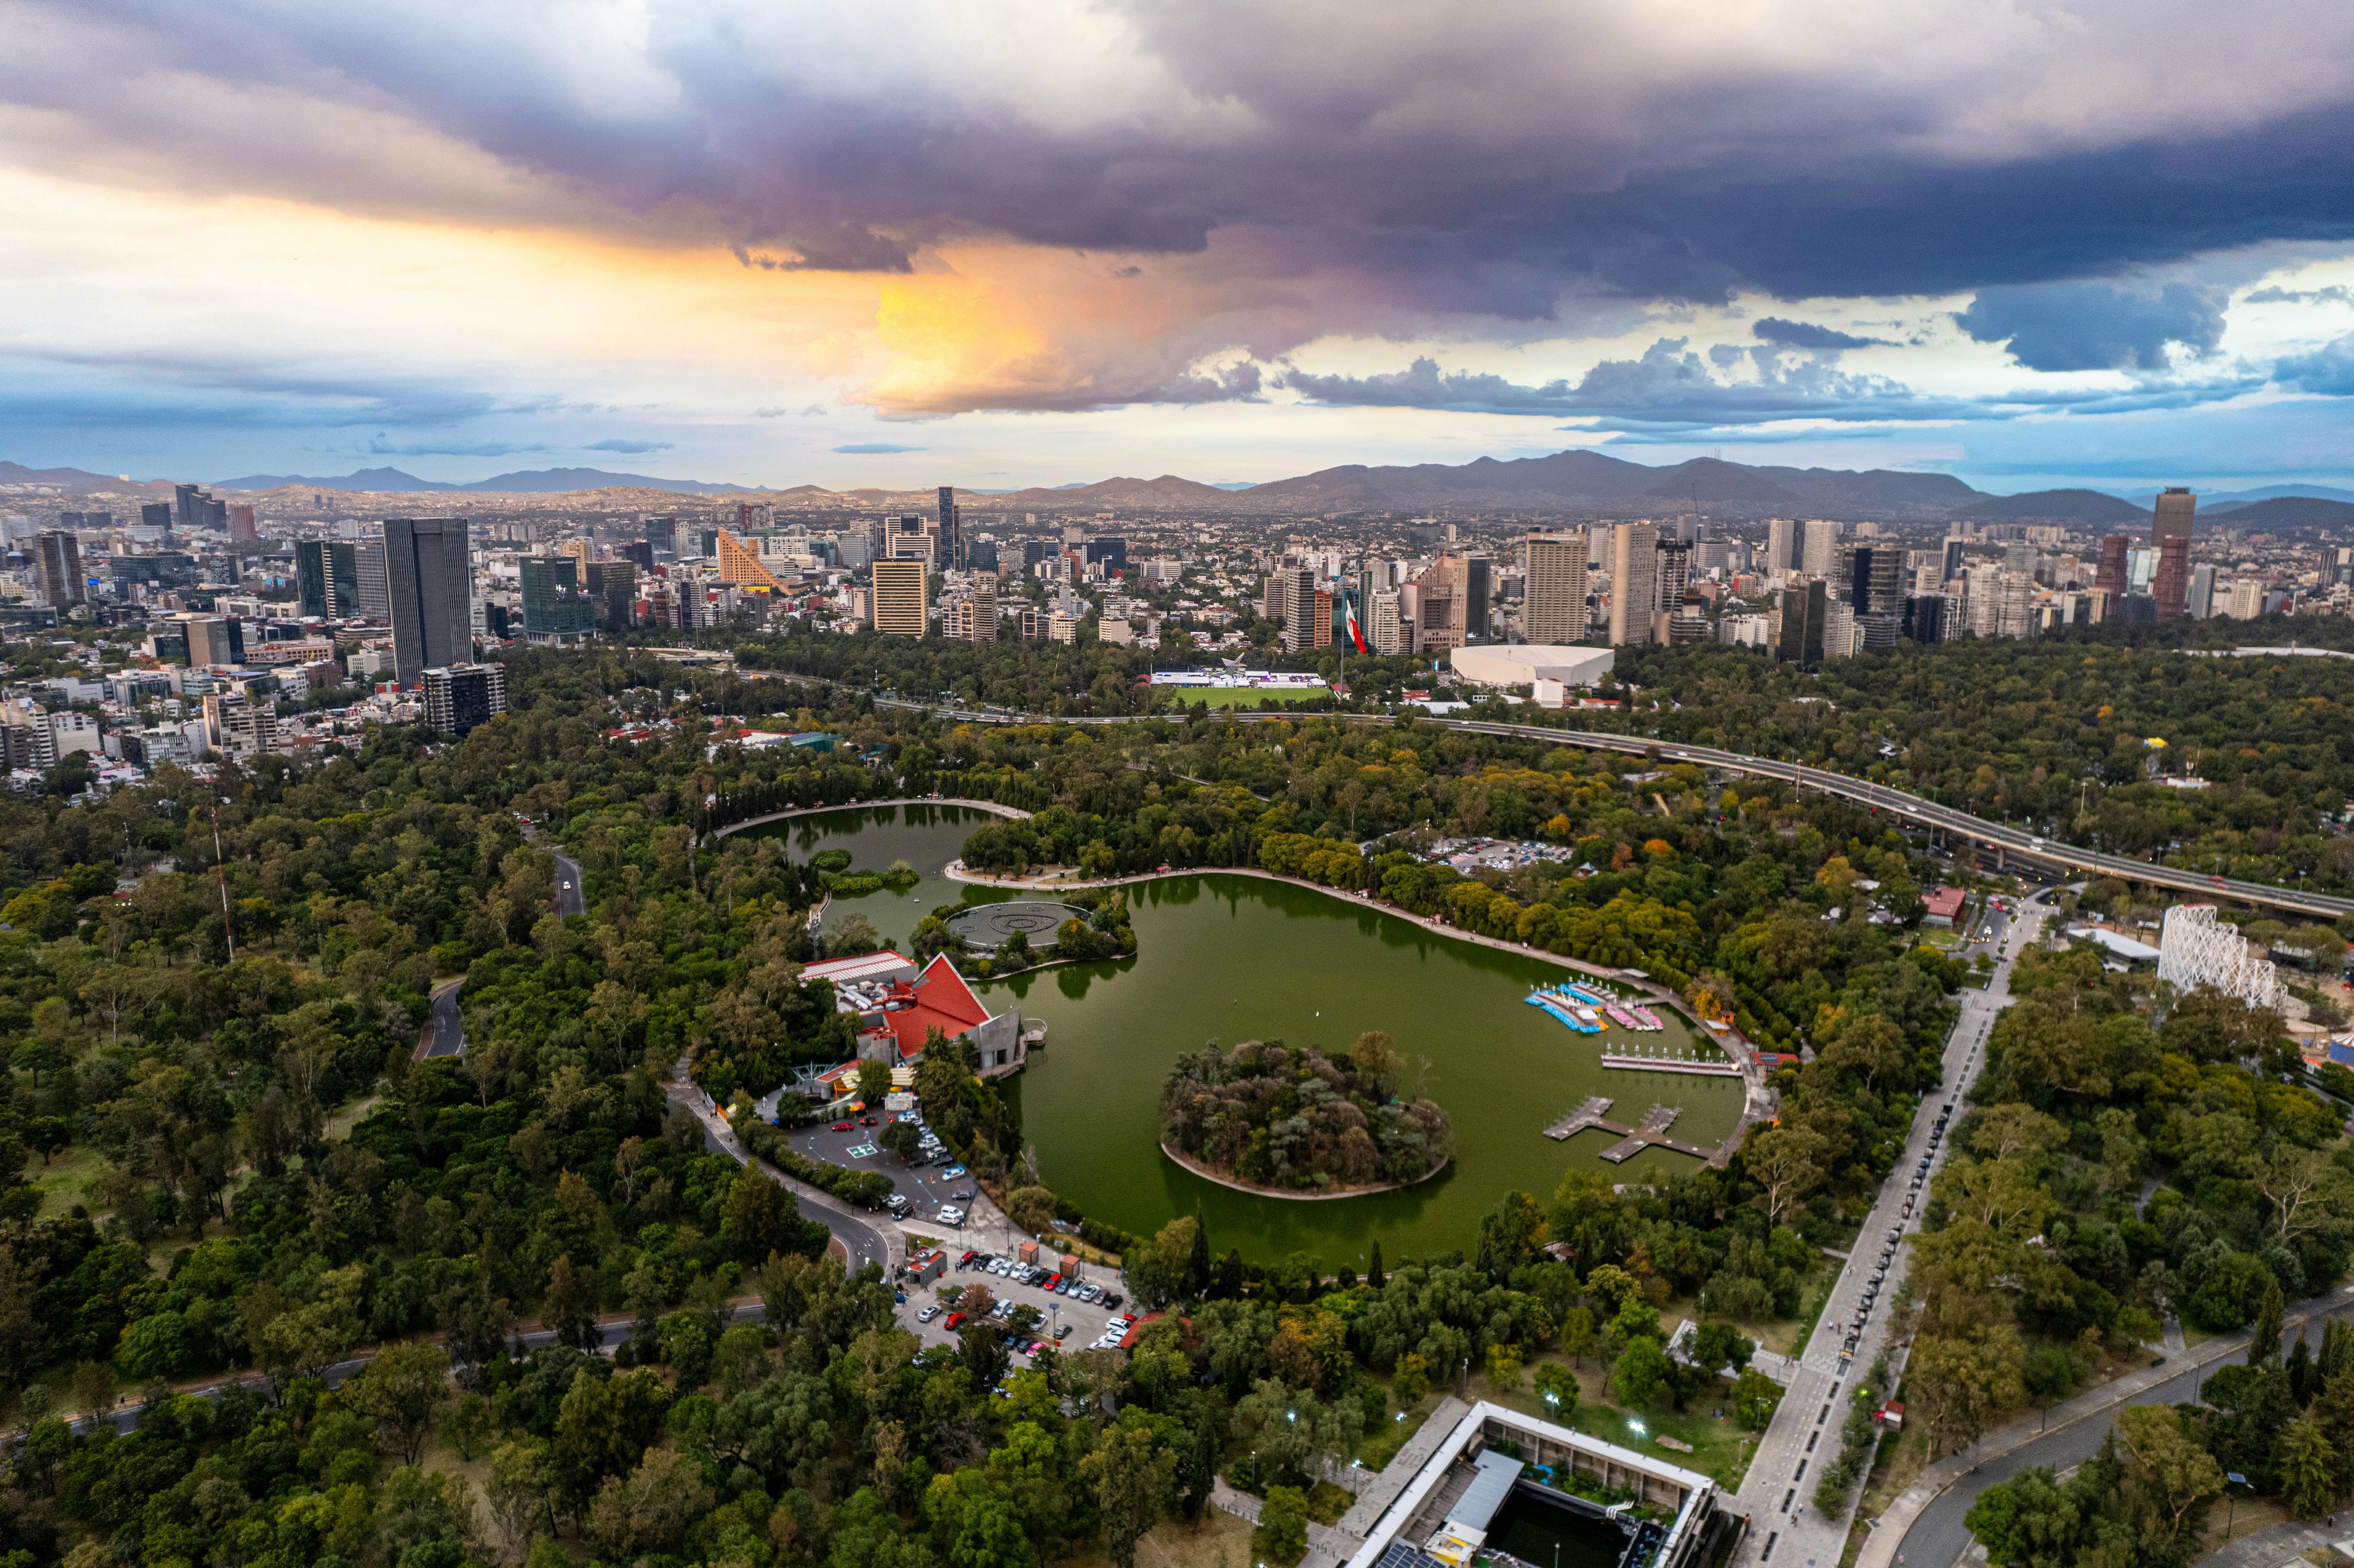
(1085, 1320)
(929, 1187)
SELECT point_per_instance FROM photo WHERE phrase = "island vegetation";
(1292, 1120)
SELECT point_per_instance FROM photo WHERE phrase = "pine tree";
(2302, 1384)
(1373, 1274)
(2264, 1347)
(1197, 1266)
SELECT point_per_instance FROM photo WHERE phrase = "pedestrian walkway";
(2281, 1543)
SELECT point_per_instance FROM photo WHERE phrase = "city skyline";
(2023, 247)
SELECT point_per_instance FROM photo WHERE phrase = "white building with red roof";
(898, 1005)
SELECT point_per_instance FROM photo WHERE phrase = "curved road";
(1997, 836)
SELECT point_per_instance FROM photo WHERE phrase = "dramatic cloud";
(622, 444)
(1806, 334)
(2335, 294)
(2328, 371)
(2097, 326)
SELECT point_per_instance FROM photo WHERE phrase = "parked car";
(953, 1171)
(928, 1314)
(956, 1322)
(845, 1126)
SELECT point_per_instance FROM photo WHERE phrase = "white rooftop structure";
(2194, 950)
(864, 968)
(1525, 663)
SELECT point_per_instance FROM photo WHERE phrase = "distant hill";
(1167, 489)
(2232, 501)
(2288, 512)
(529, 482)
(2056, 505)
(390, 481)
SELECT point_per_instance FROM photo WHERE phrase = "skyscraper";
(1553, 604)
(460, 697)
(1871, 580)
(2109, 577)
(662, 534)
(951, 539)
(1819, 556)
(2201, 602)
(557, 610)
(1805, 608)
(59, 556)
(372, 578)
(1633, 563)
(156, 514)
(899, 606)
(2169, 529)
(1782, 537)
(193, 507)
(430, 573)
(310, 579)
(1297, 587)
(242, 530)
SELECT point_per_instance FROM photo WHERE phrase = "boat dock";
(1673, 1064)
(1632, 1140)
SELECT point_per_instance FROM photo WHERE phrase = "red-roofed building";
(898, 1013)
(1944, 905)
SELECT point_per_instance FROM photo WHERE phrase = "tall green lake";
(1231, 959)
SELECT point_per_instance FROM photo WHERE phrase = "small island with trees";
(1292, 1121)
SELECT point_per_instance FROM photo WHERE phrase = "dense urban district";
(402, 1147)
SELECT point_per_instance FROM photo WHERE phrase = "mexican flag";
(1356, 632)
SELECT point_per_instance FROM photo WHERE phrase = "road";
(1937, 1537)
(449, 1037)
(571, 895)
(2002, 837)
(1776, 1495)
(862, 1237)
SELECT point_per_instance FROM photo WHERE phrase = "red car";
(843, 1127)
(969, 1257)
(1054, 1282)
(956, 1322)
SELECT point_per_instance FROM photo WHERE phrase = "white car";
(928, 1314)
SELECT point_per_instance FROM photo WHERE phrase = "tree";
(1282, 1533)
(1577, 1333)
(647, 1511)
(2264, 1338)
(1718, 1345)
(875, 1082)
(1510, 1234)
(1787, 1161)
(1755, 1397)
(402, 1390)
(1557, 1386)
(1410, 1378)
(1033, 1209)
(2308, 1470)
(1376, 1056)
(2027, 1521)
(2169, 1460)
(1373, 1271)
(570, 1311)
(1642, 1370)
(1134, 1478)
(763, 1218)
(520, 1490)
(94, 1388)
(1961, 1382)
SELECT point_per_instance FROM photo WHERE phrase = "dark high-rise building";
(1110, 551)
(1872, 581)
(371, 583)
(1477, 586)
(460, 697)
(2169, 529)
(430, 574)
(556, 609)
(640, 552)
(662, 536)
(1953, 563)
(981, 555)
(59, 554)
(2109, 577)
(614, 586)
(311, 592)
(155, 514)
(1805, 607)
(1036, 550)
(1928, 617)
(952, 542)
(193, 507)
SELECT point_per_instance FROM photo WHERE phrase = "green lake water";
(1232, 958)
(926, 837)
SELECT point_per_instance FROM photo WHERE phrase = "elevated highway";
(2008, 841)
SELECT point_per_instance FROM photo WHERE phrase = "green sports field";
(1242, 696)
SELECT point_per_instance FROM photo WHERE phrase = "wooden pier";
(1632, 1140)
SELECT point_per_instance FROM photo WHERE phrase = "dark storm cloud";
(1806, 334)
(1440, 168)
(2097, 326)
(1672, 386)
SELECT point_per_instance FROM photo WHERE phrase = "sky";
(909, 242)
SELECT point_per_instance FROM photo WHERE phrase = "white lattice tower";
(2194, 948)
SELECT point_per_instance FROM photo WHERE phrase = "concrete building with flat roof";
(1525, 663)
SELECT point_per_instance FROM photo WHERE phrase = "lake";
(1227, 958)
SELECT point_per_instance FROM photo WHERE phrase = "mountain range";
(1576, 482)
(530, 482)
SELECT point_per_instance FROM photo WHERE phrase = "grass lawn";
(1721, 1448)
(61, 1179)
(1243, 696)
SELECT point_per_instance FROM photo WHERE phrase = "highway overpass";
(2007, 840)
